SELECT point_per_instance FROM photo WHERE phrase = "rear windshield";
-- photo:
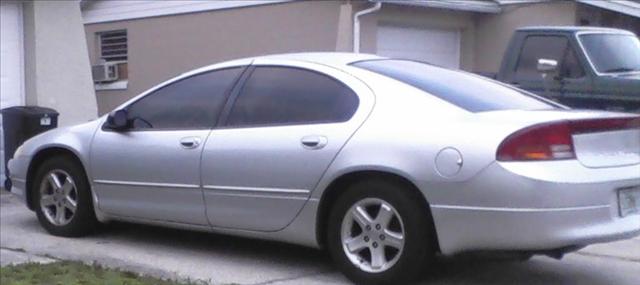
(470, 92)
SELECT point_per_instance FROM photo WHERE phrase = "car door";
(286, 125)
(152, 169)
(526, 74)
(577, 88)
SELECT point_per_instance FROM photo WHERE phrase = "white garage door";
(437, 46)
(11, 72)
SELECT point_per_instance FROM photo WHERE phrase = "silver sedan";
(383, 162)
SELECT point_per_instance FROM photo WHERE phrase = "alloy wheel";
(372, 235)
(58, 197)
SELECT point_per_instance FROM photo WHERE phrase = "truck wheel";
(380, 233)
(63, 198)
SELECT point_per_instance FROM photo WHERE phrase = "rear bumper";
(503, 210)
(531, 229)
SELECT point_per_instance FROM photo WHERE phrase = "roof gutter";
(477, 6)
(356, 24)
(627, 7)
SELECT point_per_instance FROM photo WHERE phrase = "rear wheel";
(380, 233)
(63, 198)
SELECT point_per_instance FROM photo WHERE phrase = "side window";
(192, 103)
(289, 96)
(536, 47)
(571, 67)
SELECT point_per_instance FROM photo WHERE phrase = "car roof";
(333, 59)
(326, 58)
(571, 29)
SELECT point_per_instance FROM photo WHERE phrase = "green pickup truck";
(581, 67)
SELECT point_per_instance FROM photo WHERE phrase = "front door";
(152, 170)
(577, 85)
(528, 77)
(285, 128)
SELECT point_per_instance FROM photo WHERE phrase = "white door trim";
(22, 101)
(20, 74)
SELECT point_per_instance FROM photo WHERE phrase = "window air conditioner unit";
(107, 72)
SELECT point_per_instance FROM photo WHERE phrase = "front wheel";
(63, 198)
(380, 233)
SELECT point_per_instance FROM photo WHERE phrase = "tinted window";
(467, 91)
(279, 95)
(537, 47)
(612, 53)
(191, 103)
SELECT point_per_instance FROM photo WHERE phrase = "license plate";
(629, 201)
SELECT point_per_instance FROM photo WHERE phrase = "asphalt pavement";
(220, 259)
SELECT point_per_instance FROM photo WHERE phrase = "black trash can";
(23, 122)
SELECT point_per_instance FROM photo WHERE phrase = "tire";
(409, 217)
(72, 186)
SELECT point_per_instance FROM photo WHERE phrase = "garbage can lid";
(31, 110)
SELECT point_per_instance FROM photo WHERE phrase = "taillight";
(553, 141)
(539, 142)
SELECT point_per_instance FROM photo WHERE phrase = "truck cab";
(581, 67)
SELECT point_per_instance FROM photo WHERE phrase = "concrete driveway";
(218, 259)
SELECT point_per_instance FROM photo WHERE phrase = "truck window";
(536, 47)
(612, 53)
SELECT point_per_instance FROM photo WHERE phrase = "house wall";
(162, 47)
(493, 31)
(57, 70)
(109, 10)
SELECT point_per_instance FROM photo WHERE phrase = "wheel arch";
(41, 156)
(338, 186)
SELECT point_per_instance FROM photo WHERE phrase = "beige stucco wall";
(344, 38)
(162, 47)
(57, 70)
(493, 31)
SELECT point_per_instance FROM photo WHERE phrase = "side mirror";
(546, 66)
(118, 120)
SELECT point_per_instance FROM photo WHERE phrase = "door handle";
(314, 142)
(190, 142)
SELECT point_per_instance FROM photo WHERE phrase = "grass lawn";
(72, 273)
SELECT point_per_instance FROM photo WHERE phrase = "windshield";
(470, 92)
(611, 53)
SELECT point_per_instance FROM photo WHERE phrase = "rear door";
(286, 126)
